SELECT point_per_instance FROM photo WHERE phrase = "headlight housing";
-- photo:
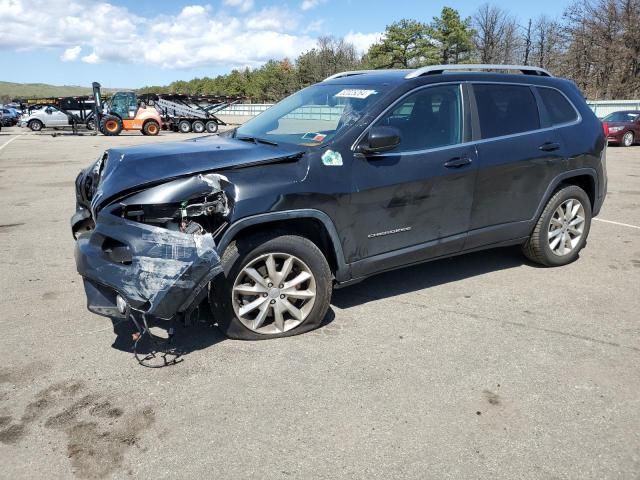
(615, 129)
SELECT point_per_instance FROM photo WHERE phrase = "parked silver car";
(45, 117)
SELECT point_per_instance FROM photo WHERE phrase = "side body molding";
(343, 271)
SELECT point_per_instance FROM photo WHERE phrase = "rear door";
(518, 156)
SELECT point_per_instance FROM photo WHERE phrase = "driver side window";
(429, 118)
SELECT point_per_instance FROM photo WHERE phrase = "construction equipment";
(124, 111)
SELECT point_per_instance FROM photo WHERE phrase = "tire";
(110, 125)
(151, 128)
(211, 126)
(36, 125)
(627, 139)
(91, 125)
(547, 245)
(197, 126)
(254, 252)
(184, 126)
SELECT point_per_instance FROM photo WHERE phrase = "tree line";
(596, 43)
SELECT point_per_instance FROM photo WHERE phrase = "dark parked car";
(362, 173)
(623, 128)
(10, 117)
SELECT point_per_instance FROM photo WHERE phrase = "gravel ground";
(481, 366)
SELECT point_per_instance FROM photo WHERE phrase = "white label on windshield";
(355, 93)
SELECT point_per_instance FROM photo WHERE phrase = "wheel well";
(309, 228)
(585, 182)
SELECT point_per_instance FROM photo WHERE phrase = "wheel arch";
(585, 178)
(315, 225)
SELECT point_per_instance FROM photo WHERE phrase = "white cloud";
(309, 4)
(242, 5)
(91, 58)
(198, 36)
(362, 41)
(71, 54)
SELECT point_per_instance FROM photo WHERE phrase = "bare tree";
(495, 39)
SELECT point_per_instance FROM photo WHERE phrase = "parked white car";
(45, 117)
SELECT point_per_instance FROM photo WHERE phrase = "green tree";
(453, 37)
(405, 44)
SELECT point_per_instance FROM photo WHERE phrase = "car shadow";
(426, 275)
(200, 335)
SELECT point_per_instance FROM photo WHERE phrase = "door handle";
(458, 162)
(549, 146)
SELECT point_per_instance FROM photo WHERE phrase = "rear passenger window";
(506, 109)
(558, 107)
(428, 118)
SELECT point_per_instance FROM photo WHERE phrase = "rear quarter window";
(558, 107)
(506, 109)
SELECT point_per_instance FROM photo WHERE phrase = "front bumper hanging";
(130, 266)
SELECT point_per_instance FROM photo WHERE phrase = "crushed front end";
(149, 250)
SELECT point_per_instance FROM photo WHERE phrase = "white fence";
(601, 108)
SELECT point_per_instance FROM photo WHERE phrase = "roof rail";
(349, 74)
(436, 69)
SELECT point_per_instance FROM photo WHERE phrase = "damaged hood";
(129, 168)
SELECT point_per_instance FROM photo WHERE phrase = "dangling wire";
(160, 347)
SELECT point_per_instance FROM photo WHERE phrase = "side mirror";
(380, 139)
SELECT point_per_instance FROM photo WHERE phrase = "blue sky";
(153, 42)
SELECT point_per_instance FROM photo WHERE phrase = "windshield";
(312, 116)
(621, 117)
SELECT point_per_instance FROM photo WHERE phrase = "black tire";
(184, 126)
(211, 126)
(537, 248)
(240, 253)
(110, 125)
(36, 125)
(627, 139)
(151, 128)
(197, 126)
(91, 124)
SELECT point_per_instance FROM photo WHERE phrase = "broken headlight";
(194, 205)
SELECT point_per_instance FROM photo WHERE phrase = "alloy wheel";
(566, 227)
(627, 139)
(274, 293)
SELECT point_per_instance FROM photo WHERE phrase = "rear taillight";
(605, 128)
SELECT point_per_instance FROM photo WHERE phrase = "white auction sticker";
(355, 93)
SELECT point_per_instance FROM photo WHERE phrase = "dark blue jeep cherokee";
(364, 172)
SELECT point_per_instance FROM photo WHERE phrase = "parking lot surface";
(480, 366)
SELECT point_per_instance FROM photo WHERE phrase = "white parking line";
(618, 223)
(10, 140)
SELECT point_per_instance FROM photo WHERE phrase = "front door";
(414, 202)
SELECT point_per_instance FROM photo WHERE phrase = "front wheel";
(627, 139)
(562, 229)
(184, 126)
(36, 125)
(274, 286)
(151, 128)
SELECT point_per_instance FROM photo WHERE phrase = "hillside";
(28, 90)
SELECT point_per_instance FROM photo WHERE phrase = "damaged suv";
(364, 172)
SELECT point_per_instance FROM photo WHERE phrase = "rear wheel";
(36, 125)
(111, 125)
(151, 128)
(274, 286)
(562, 229)
(91, 124)
(627, 139)
(211, 126)
(184, 126)
(197, 126)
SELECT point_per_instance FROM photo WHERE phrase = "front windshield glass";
(312, 116)
(621, 117)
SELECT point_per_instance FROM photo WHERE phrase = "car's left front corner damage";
(152, 252)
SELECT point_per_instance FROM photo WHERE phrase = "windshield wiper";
(256, 140)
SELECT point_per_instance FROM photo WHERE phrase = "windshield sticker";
(332, 159)
(316, 137)
(355, 93)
